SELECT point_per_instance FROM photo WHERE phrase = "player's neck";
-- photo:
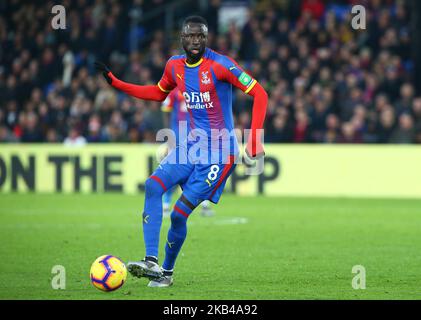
(190, 60)
(193, 60)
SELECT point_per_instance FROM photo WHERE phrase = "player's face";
(193, 39)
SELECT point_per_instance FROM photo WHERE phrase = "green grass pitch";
(254, 248)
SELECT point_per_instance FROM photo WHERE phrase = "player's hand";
(101, 67)
(254, 148)
(255, 156)
(254, 164)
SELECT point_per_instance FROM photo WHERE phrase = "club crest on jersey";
(205, 78)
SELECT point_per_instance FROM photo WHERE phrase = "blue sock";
(177, 234)
(155, 186)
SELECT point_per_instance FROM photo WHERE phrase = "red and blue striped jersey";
(207, 89)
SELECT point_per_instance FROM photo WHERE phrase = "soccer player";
(205, 79)
(176, 112)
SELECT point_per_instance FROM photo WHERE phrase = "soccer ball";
(108, 273)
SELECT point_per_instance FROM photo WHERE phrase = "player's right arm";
(156, 92)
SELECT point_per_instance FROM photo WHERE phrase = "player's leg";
(178, 230)
(155, 186)
(205, 182)
(175, 239)
(166, 201)
(167, 175)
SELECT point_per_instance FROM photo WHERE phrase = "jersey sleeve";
(229, 70)
(167, 82)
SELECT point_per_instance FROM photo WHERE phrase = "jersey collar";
(194, 64)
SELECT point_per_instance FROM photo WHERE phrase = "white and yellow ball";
(108, 273)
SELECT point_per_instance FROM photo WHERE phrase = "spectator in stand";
(405, 132)
(74, 138)
(6, 135)
(327, 83)
(416, 111)
(331, 135)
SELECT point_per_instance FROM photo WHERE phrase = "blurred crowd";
(327, 82)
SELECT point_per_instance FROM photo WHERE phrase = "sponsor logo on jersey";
(198, 100)
(245, 79)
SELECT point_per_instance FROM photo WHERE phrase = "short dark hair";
(195, 19)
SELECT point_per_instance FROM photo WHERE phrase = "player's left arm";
(231, 72)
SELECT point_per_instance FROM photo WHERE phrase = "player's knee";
(178, 220)
(153, 187)
(190, 201)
